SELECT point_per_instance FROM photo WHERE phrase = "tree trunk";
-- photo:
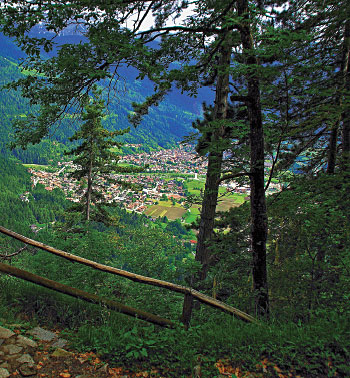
(332, 150)
(344, 83)
(346, 113)
(89, 190)
(210, 197)
(208, 211)
(257, 195)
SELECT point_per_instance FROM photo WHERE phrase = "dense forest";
(279, 72)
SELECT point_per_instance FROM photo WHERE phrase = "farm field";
(37, 166)
(165, 208)
(170, 212)
(233, 200)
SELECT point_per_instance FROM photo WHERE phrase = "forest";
(275, 80)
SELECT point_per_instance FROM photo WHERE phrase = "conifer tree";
(94, 158)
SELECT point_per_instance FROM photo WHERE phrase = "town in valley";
(170, 176)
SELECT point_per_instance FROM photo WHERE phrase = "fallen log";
(134, 277)
(92, 298)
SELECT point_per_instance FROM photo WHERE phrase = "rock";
(104, 368)
(1, 341)
(5, 333)
(42, 334)
(26, 358)
(60, 343)
(4, 373)
(24, 341)
(82, 360)
(12, 349)
(61, 353)
(27, 370)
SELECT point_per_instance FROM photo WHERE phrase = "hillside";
(165, 125)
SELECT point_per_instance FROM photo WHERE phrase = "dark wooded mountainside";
(164, 127)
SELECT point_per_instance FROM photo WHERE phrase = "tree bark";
(211, 191)
(215, 158)
(343, 84)
(89, 186)
(259, 226)
(346, 113)
(332, 150)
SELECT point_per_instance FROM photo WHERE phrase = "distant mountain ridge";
(165, 126)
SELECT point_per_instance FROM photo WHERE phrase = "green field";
(225, 202)
(232, 200)
(192, 215)
(37, 166)
(195, 186)
(171, 213)
(165, 208)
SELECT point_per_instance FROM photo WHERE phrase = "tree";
(94, 158)
(317, 83)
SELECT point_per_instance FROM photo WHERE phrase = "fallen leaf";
(65, 375)
(278, 370)
(117, 370)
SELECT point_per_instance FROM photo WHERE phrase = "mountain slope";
(164, 126)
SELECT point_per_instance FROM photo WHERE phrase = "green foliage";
(21, 205)
(309, 239)
(94, 159)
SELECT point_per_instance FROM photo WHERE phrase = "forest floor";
(39, 353)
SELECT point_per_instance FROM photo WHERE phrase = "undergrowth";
(319, 348)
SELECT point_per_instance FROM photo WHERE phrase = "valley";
(170, 177)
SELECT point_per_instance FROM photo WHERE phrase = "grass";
(232, 200)
(195, 186)
(116, 150)
(317, 349)
(192, 215)
(37, 166)
(173, 212)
